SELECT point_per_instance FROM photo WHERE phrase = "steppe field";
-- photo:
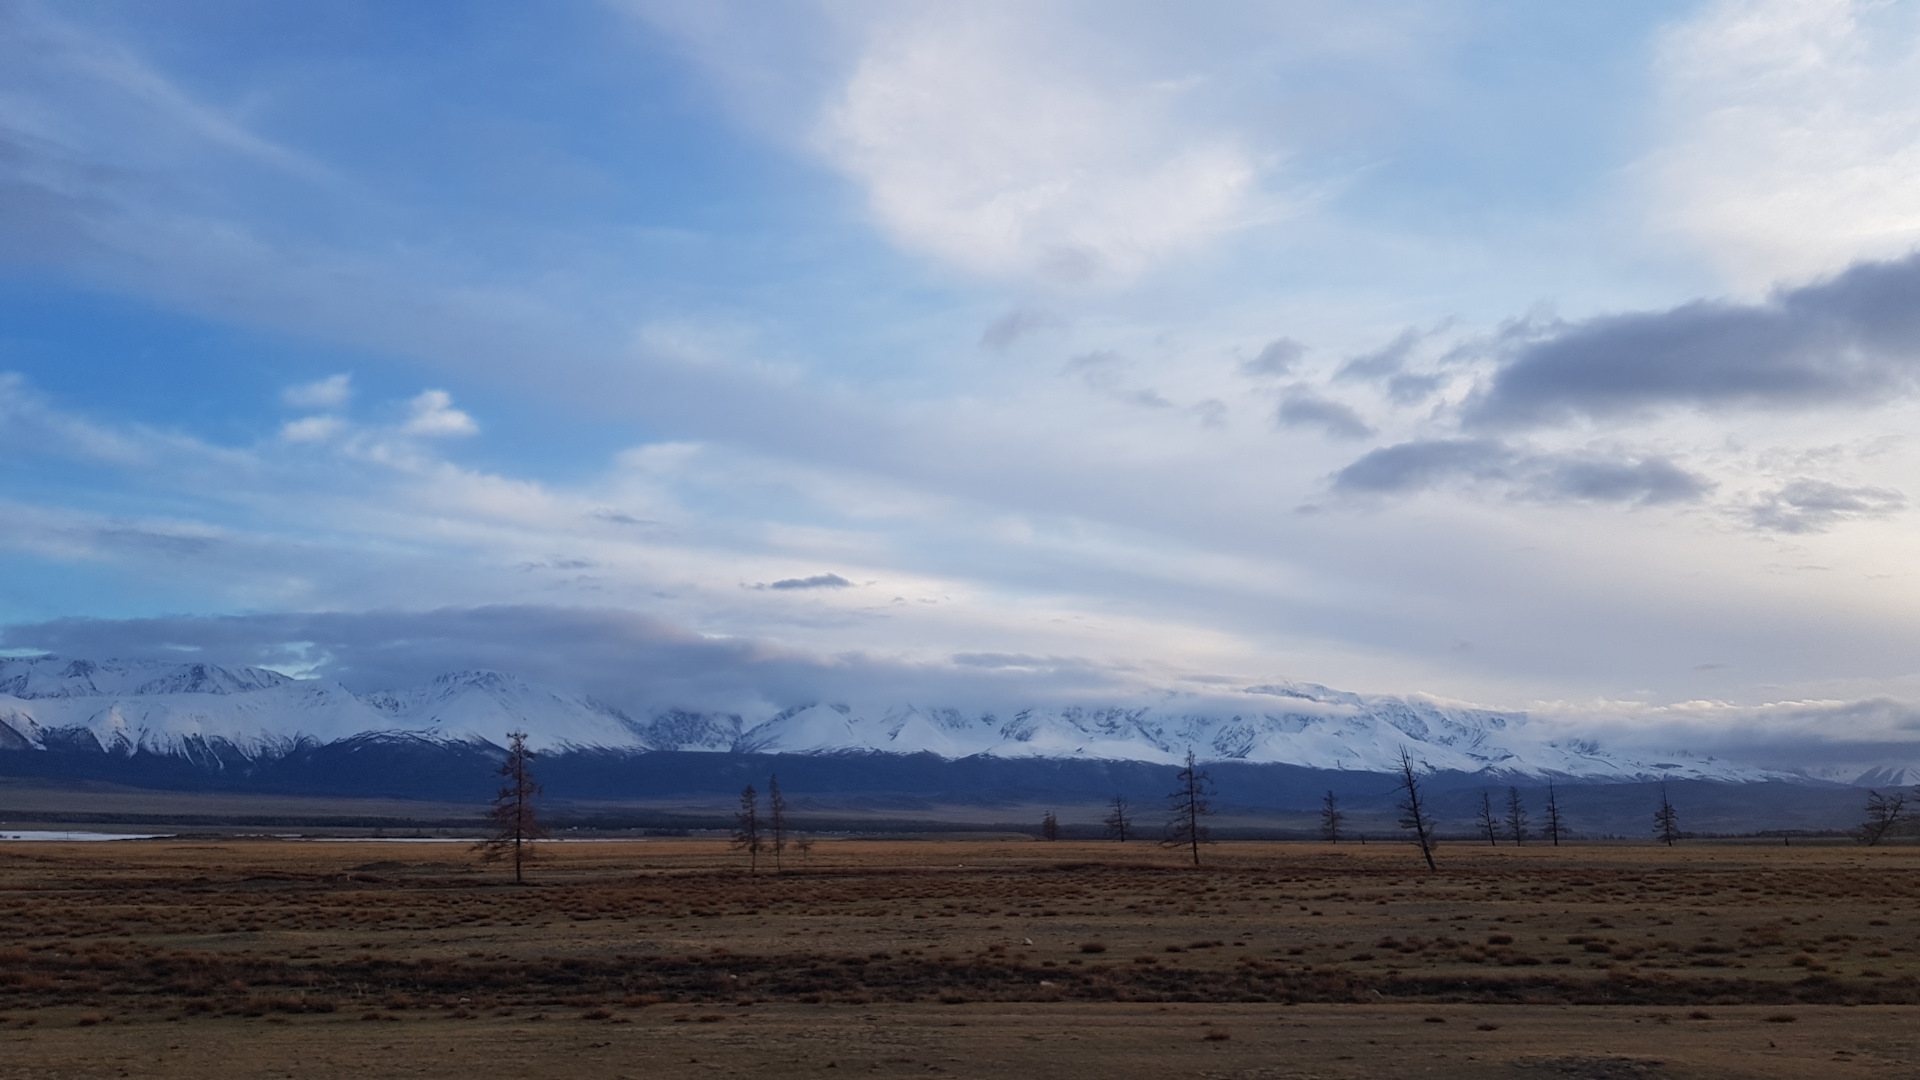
(967, 958)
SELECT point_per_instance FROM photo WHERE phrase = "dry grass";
(139, 946)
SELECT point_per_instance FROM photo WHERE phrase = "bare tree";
(776, 820)
(1666, 820)
(515, 827)
(1487, 823)
(1330, 819)
(746, 831)
(1554, 825)
(804, 846)
(1049, 826)
(1516, 817)
(1413, 810)
(1188, 807)
(1883, 813)
(1118, 821)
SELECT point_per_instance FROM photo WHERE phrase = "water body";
(62, 835)
(459, 839)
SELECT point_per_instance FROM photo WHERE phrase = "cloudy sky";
(1535, 355)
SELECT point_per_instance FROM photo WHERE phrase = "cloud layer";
(980, 141)
(1851, 340)
(1791, 134)
(1416, 466)
(631, 660)
(1562, 353)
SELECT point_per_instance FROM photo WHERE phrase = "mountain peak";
(53, 677)
(147, 706)
(480, 679)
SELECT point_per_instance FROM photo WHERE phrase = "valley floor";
(181, 958)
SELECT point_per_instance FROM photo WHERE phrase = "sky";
(1540, 356)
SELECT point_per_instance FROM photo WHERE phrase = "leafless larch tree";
(1489, 827)
(1555, 826)
(1118, 821)
(1516, 817)
(515, 827)
(776, 820)
(1883, 813)
(1666, 820)
(1188, 808)
(746, 829)
(1413, 809)
(1331, 818)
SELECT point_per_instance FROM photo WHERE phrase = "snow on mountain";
(194, 709)
(188, 709)
(483, 706)
(1878, 776)
(265, 721)
(1295, 724)
(50, 677)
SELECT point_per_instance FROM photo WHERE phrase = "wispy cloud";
(1384, 362)
(1811, 506)
(328, 393)
(117, 78)
(312, 429)
(817, 581)
(1301, 407)
(1019, 323)
(1411, 467)
(629, 659)
(1791, 132)
(1415, 466)
(1275, 358)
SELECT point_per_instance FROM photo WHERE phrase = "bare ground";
(664, 958)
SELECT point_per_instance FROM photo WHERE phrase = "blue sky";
(1540, 356)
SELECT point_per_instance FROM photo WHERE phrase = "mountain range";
(206, 713)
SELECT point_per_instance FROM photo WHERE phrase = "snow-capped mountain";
(1296, 725)
(477, 706)
(192, 710)
(201, 711)
(186, 710)
(54, 678)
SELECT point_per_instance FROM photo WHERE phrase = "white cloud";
(1011, 509)
(1792, 135)
(312, 428)
(433, 414)
(1836, 739)
(986, 139)
(328, 393)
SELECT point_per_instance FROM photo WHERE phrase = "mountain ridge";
(206, 712)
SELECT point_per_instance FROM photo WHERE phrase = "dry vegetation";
(172, 958)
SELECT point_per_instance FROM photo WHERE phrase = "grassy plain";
(194, 958)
